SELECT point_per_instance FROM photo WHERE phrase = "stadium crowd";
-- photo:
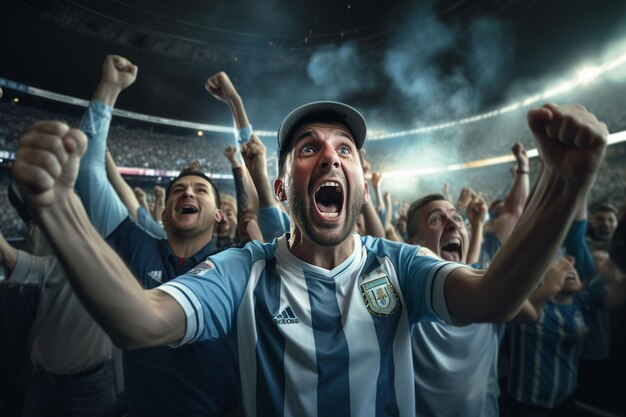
(509, 276)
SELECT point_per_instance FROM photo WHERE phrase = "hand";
(477, 210)
(195, 166)
(230, 153)
(118, 71)
(571, 141)
(254, 155)
(465, 198)
(220, 86)
(47, 163)
(159, 192)
(139, 193)
(377, 178)
(520, 156)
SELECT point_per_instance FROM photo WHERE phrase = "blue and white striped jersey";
(545, 354)
(314, 342)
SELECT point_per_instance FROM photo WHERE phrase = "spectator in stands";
(309, 308)
(239, 224)
(505, 215)
(545, 355)
(70, 353)
(445, 357)
(603, 221)
(134, 200)
(199, 379)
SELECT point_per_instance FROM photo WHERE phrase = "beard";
(325, 234)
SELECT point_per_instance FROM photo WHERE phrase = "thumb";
(75, 142)
(538, 120)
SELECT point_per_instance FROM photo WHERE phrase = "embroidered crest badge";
(379, 294)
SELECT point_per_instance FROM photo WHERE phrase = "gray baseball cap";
(323, 111)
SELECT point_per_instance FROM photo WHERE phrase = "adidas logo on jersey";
(285, 317)
(156, 275)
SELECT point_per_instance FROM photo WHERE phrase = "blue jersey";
(545, 354)
(597, 343)
(491, 245)
(317, 342)
(199, 379)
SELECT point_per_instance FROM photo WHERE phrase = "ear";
(219, 215)
(163, 221)
(279, 190)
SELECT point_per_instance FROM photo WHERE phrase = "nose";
(570, 259)
(329, 156)
(452, 224)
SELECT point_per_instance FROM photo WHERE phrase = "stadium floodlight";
(588, 74)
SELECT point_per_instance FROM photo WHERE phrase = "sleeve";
(576, 246)
(423, 285)
(104, 208)
(147, 222)
(30, 269)
(210, 295)
(273, 222)
(592, 303)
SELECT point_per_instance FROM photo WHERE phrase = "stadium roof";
(398, 61)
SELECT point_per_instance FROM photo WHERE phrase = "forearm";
(522, 262)
(104, 284)
(106, 93)
(247, 198)
(373, 225)
(8, 254)
(121, 187)
(264, 191)
(476, 242)
(240, 118)
(102, 204)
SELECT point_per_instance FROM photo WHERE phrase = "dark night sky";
(401, 62)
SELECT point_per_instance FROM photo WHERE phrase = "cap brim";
(348, 115)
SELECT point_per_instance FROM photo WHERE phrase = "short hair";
(605, 207)
(229, 199)
(412, 215)
(188, 172)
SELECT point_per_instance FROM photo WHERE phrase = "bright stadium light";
(588, 74)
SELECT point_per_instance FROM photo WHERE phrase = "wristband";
(521, 171)
(243, 134)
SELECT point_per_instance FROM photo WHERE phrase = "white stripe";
(402, 353)
(247, 339)
(358, 327)
(300, 357)
(537, 361)
(521, 335)
(192, 310)
(557, 367)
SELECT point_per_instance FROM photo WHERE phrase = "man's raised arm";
(102, 204)
(572, 143)
(45, 171)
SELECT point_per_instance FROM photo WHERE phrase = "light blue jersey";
(317, 342)
(545, 354)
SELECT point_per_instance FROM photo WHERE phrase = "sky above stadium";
(403, 63)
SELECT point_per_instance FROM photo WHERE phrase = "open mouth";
(451, 250)
(186, 210)
(329, 199)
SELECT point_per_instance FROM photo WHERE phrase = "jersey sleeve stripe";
(191, 307)
(437, 297)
